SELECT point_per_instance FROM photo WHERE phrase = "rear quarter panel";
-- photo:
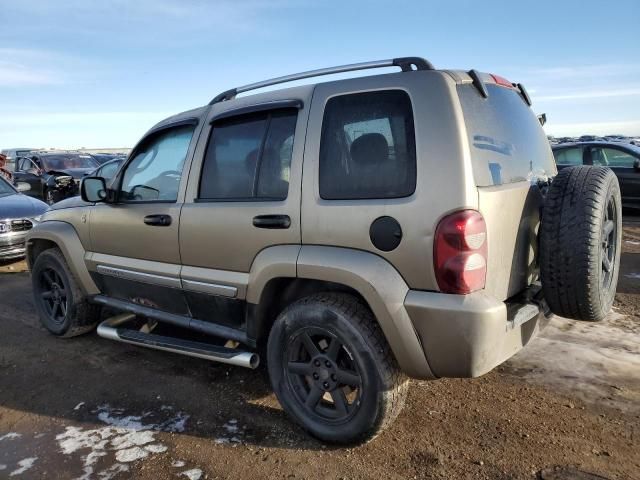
(443, 182)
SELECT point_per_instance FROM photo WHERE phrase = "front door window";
(155, 171)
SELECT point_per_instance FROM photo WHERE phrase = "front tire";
(332, 369)
(61, 306)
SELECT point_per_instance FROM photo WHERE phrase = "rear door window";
(507, 142)
(248, 158)
(569, 156)
(367, 147)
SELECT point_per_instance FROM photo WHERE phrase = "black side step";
(111, 329)
(189, 323)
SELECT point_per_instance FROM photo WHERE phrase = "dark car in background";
(13, 153)
(18, 214)
(622, 158)
(54, 176)
(103, 158)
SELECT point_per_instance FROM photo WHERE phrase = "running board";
(111, 329)
(182, 321)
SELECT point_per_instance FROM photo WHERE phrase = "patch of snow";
(112, 471)
(78, 406)
(177, 424)
(156, 448)
(633, 275)
(131, 454)
(132, 439)
(10, 435)
(597, 362)
(231, 426)
(128, 438)
(4, 467)
(39, 435)
(193, 474)
(24, 465)
(631, 242)
(178, 463)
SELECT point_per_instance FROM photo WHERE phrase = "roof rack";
(405, 63)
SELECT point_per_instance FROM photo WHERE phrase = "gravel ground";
(567, 407)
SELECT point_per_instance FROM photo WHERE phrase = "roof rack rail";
(405, 63)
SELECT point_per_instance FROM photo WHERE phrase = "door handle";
(272, 221)
(158, 220)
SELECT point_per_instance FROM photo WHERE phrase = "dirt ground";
(567, 407)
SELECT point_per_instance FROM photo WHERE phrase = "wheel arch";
(62, 235)
(329, 269)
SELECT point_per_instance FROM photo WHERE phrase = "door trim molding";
(139, 276)
(209, 288)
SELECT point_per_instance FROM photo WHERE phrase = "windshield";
(64, 162)
(5, 188)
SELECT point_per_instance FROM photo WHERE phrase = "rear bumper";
(469, 335)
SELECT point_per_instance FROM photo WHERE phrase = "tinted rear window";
(367, 148)
(506, 140)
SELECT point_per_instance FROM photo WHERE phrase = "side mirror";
(23, 187)
(93, 189)
(542, 118)
(636, 164)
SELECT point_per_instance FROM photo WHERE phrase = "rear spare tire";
(580, 240)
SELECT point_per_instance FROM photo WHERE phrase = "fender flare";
(375, 279)
(67, 240)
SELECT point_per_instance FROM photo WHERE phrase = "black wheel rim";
(53, 295)
(609, 244)
(323, 375)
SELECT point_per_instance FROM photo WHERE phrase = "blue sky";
(78, 73)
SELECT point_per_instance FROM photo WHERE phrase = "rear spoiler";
(479, 80)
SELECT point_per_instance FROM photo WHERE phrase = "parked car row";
(18, 214)
(594, 138)
(622, 158)
(53, 176)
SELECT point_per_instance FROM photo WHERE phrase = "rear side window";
(507, 142)
(569, 156)
(611, 157)
(249, 157)
(368, 148)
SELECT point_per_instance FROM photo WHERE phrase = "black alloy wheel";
(323, 374)
(608, 243)
(61, 305)
(53, 294)
(332, 369)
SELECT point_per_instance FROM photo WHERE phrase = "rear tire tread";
(570, 241)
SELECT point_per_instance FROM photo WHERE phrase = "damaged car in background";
(18, 214)
(53, 176)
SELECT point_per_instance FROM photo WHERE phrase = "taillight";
(460, 252)
(502, 81)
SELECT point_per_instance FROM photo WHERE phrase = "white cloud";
(17, 75)
(593, 128)
(27, 67)
(578, 95)
(75, 130)
(583, 72)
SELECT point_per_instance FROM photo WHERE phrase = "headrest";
(370, 149)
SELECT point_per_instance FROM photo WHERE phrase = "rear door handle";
(158, 220)
(272, 221)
